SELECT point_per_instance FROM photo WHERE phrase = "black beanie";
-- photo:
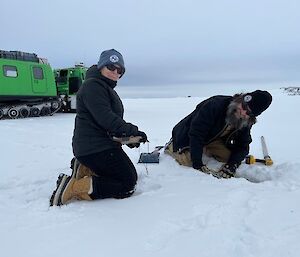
(258, 101)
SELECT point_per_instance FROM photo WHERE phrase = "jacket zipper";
(233, 132)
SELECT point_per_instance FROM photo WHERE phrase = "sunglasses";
(246, 107)
(112, 67)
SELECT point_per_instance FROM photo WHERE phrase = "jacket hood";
(93, 72)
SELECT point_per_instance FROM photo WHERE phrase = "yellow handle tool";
(250, 159)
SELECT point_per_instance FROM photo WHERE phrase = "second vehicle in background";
(68, 81)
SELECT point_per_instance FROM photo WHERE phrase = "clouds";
(155, 37)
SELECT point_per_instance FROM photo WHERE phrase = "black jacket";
(204, 125)
(99, 115)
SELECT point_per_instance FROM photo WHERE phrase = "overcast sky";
(163, 41)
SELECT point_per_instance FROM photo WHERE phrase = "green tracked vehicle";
(27, 86)
(68, 81)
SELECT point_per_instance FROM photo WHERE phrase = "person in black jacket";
(219, 127)
(105, 170)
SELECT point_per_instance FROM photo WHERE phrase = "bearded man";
(219, 127)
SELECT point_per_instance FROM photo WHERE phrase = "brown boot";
(80, 171)
(69, 188)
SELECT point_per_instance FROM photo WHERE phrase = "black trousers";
(116, 174)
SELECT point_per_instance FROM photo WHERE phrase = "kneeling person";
(220, 127)
(105, 170)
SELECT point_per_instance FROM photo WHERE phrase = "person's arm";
(200, 127)
(97, 101)
(240, 149)
(238, 153)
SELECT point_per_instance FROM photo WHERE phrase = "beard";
(233, 119)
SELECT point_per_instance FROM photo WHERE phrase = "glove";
(143, 136)
(137, 145)
(206, 170)
(227, 170)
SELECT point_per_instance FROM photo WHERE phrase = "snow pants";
(116, 175)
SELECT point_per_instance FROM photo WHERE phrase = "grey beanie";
(111, 56)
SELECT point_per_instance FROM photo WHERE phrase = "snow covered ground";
(176, 211)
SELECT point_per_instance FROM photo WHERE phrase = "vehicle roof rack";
(18, 55)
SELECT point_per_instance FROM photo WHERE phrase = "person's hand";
(206, 170)
(135, 145)
(143, 136)
(227, 170)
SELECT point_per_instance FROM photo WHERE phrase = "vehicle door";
(39, 80)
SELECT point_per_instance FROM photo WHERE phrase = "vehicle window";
(10, 71)
(38, 73)
(63, 73)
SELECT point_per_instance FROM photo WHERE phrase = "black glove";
(227, 170)
(137, 145)
(143, 136)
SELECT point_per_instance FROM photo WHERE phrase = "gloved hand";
(137, 145)
(206, 170)
(227, 170)
(143, 136)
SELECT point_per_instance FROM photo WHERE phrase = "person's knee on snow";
(183, 157)
(128, 187)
